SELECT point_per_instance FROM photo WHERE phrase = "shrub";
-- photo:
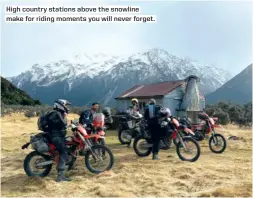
(223, 117)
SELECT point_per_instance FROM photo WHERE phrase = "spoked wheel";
(31, 164)
(124, 136)
(141, 147)
(99, 159)
(217, 143)
(191, 152)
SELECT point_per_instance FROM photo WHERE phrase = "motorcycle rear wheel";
(27, 167)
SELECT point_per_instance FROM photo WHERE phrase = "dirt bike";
(144, 142)
(129, 128)
(98, 127)
(79, 141)
(207, 128)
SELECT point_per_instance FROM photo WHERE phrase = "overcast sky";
(216, 32)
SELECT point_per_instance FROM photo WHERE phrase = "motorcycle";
(129, 127)
(144, 142)
(205, 129)
(45, 153)
(98, 127)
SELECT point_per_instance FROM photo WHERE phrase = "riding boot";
(61, 177)
(155, 156)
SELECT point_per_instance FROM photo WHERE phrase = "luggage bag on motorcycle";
(40, 143)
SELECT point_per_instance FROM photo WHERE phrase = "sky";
(210, 32)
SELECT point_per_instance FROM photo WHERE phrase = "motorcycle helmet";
(62, 105)
(152, 101)
(165, 112)
(134, 100)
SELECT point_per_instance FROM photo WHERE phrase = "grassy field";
(218, 175)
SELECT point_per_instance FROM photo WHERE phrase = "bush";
(238, 114)
(223, 117)
(30, 114)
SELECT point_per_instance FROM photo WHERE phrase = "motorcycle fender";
(219, 126)
(174, 135)
(25, 146)
(120, 128)
(189, 131)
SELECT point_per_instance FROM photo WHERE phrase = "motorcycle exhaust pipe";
(45, 163)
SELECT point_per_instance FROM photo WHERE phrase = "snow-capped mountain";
(87, 78)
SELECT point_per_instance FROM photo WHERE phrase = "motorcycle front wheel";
(141, 147)
(217, 143)
(122, 136)
(99, 159)
(31, 162)
(191, 147)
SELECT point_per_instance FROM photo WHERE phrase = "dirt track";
(220, 175)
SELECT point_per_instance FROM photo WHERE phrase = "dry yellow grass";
(217, 175)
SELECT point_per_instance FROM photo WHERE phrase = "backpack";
(43, 122)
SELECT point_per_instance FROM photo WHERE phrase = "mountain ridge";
(236, 90)
(108, 76)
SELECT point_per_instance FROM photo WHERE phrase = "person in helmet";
(57, 123)
(133, 109)
(151, 115)
(135, 104)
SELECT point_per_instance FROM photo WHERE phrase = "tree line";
(226, 112)
(231, 113)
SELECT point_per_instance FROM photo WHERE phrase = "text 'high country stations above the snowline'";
(73, 9)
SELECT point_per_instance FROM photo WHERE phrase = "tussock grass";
(215, 175)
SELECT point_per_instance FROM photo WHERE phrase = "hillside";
(11, 95)
(237, 90)
(87, 78)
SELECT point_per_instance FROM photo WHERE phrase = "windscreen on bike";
(211, 121)
(82, 130)
(99, 120)
(175, 122)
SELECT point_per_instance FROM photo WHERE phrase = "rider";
(134, 107)
(86, 117)
(133, 110)
(151, 114)
(57, 123)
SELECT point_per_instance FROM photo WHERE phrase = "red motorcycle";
(98, 127)
(206, 128)
(143, 145)
(40, 161)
